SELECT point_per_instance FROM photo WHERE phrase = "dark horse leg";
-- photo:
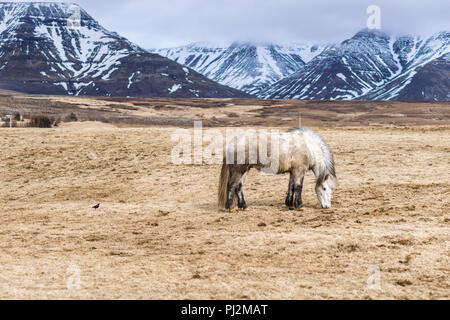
(298, 186)
(238, 173)
(294, 195)
(290, 195)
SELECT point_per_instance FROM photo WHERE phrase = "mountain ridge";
(42, 53)
(250, 67)
(371, 65)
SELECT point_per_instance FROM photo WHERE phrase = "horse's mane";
(327, 164)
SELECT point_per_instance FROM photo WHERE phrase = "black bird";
(96, 206)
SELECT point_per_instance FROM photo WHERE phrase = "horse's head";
(324, 189)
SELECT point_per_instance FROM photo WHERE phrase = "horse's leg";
(240, 192)
(230, 195)
(232, 186)
(298, 186)
(290, 195)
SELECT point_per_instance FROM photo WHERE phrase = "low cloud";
(153, 24)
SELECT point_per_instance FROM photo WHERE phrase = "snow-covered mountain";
(372, 66)
(58, 48)
(244, 66)
(425, 72)
(431, 82)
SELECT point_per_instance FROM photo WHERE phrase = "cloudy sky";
(165, 23)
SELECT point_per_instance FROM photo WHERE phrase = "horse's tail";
(223, 183)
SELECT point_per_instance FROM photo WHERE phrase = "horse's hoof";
(245, 208)
(300, 209)
(291, 208)
(231, 210)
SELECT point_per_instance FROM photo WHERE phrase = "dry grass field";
(159, 235)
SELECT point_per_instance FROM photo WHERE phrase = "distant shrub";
(56, 122)
(41, 121)
(72, 117)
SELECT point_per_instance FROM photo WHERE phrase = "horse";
(299, 150)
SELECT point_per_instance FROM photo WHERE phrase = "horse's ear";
(326, 177)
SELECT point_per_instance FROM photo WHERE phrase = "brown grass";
(158, 234)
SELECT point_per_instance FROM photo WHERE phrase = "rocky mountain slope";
(372, 66)
(58, 48)
(244, 66)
